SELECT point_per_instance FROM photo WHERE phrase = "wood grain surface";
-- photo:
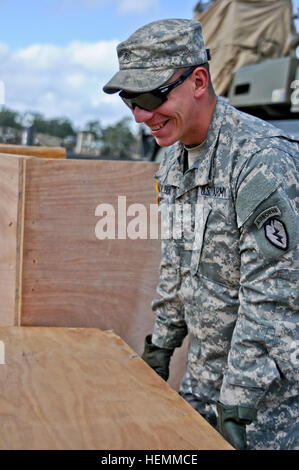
(53, 269)
(11, 194)
(70, 277)
(68, 274)
(73, 388)
(34, 151)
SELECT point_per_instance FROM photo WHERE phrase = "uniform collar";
(171, 171)
(205, 166)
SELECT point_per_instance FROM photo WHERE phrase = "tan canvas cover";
(232, 30)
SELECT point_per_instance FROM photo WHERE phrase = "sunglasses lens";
(128, 102)
(147, 101)
(152, 99)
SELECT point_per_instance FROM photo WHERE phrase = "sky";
(56, 55)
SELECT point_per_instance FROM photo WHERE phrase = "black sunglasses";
(150, 100)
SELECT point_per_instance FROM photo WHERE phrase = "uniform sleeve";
(264, 345)
(170, 327)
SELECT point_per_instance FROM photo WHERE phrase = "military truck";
(255, 66)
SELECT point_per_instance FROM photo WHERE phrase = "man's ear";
(201, 81)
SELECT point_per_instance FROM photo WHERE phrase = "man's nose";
(142, 115)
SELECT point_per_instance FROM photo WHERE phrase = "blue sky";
(55, 55)
(60, 21)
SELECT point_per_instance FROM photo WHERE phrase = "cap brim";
(137, 80)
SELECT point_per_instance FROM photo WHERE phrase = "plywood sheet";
(67, 388)
(11, 194)
(73, 279)
(62, 275)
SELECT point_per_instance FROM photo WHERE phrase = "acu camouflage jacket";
(229, 269)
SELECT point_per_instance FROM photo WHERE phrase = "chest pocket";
(166, 200)
(202, 212)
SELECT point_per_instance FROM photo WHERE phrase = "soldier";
(229, 268)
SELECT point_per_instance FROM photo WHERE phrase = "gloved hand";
(232, 421)
(157, 358)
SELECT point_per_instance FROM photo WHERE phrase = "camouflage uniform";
(229, 269)
(229, 272)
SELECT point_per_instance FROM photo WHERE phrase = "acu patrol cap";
(151, 55)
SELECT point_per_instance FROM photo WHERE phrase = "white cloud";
(3, 48)
(62, 81)
(96, 56)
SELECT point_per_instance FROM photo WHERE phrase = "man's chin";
(165, 141)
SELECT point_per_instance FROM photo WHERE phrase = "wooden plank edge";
(20, 241)
(34, 151)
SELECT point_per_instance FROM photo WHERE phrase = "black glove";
(157, 358)
(231, 423)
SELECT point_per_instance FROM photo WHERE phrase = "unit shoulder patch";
(274, 225)
(276, 233)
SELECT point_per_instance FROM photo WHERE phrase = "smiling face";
(170, 121)
(186, 114)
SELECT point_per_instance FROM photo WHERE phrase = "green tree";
(118, 139)
(58, 127)
(95, 128)
(9, 118)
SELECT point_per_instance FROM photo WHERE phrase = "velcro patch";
(252, 194)
(266, 215)
(277, 234)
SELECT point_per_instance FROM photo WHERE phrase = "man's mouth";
(157, 127)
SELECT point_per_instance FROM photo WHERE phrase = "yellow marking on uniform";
(158, 192)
